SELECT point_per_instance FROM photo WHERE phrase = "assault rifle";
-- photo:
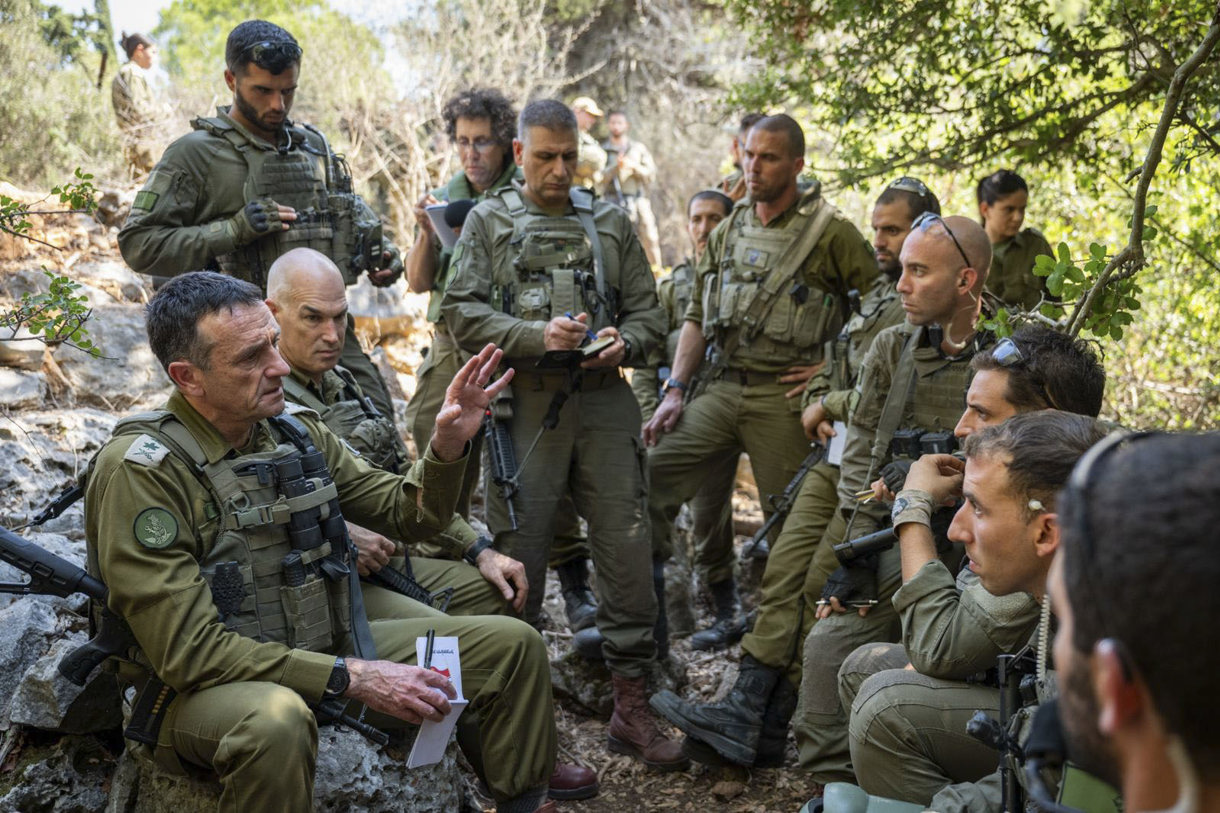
(781, 505)
(53, 575)
(503, 462)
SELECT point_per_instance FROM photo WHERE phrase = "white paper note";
(834, 452)
(434, 736)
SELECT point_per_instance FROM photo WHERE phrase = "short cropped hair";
(482, 103)
(917, 202)
(130, 42)
(999, 184)
(174, 313)
(748, 121)
(711, 194)
(552, 114)
(781, 123)
(1039, 449)
(252, 32)
(1138, 540)
(1056, 371)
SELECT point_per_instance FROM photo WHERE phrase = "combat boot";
(633, 729)
(588, 643)
(579, 603)
(660, 630)
(772, 741)
(730, 626)
(732, 726)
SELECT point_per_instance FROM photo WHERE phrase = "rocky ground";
(60, 752)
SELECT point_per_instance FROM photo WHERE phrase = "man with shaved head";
(305, 293)
(912, 384)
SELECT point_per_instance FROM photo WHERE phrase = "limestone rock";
(128, 375)
(47, 700)
(25, 629)
(42, 453)
(21, 389)
(70, 776)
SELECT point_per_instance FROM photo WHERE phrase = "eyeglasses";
(1007, 354)
(480, 144)
(271, 51)
(909, 184)
(928, 218)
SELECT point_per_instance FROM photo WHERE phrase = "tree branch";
(1131, 258)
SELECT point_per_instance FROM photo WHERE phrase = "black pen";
(428, 650)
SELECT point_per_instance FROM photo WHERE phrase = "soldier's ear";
(230, 80)
(186, 377)
(518, 151)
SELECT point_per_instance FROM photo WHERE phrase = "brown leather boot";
(633, 729)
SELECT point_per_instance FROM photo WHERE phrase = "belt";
(747, 378)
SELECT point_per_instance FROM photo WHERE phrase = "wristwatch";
(626, 347)
(472, 553)
(340, 678)
(672, 384)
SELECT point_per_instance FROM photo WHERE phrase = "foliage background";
(1065, 92)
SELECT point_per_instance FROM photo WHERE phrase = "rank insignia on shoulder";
(155, 528)
(147, 451)
(145, 199)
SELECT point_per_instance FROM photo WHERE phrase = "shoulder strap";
(901, 386)
(582, 202)
(300, 393)
(817, 219)
(353, 389)
(512, 199)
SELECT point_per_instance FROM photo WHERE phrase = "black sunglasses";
(271, 52)
(1007, 354)
(928, 218)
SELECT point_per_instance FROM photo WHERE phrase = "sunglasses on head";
(1007, 354)
(909, 184)
(270, 52)
(929, 218)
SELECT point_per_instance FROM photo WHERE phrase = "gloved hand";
(391, 266)
(853, 584)
(256, 219)
(894, 473)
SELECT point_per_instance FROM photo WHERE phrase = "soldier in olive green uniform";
(248, 185)
(734, 184)
(772, 289)
(305, 294)
(592, 159)
(1002, 198)
(952, 632)
(712, 507)
(481, 123)
(630, 172)
(527, 256)
(914, 377)
(215, 524)
(139, 112)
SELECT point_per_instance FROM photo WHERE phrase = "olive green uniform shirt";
(635, 181)
(484, 247)
(833, 384)
(590, 163)
(953, 630)
(840, 261)
(674, 293)
(1012, 277)
(161, 593)
(135, 104)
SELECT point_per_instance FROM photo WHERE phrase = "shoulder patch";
(147, 451)
(155, 528)
(146, 199)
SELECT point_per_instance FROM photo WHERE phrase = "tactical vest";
(554, 266)
(355, 419)
(801, 318)
(316, 183)
(265, 507)
(845, 355)
(937, 400)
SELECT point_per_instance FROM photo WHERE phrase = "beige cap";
(586, 104)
